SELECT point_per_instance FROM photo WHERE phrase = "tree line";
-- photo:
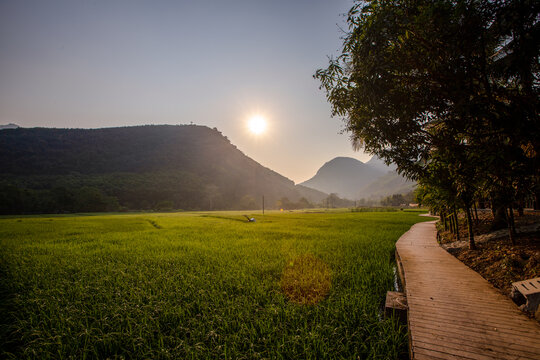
(448, 91)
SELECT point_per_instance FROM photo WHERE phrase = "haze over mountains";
(353, 179)
(142, 167)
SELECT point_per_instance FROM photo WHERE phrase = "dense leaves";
(447, 90)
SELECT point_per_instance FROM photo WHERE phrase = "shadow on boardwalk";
(453, 312)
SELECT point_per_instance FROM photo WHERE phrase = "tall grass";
(192, 285)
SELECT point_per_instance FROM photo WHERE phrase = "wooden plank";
(456, 296)
(428, 357)
(434, 354)
(464, 324)
(528, 287)
(396, 305)
(475, 352)
(458, 337)
(453, 312)
(489, 303)
(500, 328)
(461, 297)
(503, 336)
(450, 353)
(493, 313)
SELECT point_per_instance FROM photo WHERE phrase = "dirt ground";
(496, 259)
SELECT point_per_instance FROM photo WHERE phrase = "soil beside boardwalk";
(453, 311)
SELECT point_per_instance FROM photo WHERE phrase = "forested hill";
(142, 167)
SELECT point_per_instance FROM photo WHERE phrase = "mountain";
(343, 176)
(142, 167)
(353, 179)
(9, 126)
(378, 163)
(389, 184)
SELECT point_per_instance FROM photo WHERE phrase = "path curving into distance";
(454, 313)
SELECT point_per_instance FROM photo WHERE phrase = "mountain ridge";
(342, 175)
(355, 180)
(188, 167)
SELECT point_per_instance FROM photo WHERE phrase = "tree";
(452, 83)
(284, 203)
(304, 203)
(394, 200)
(247, 202)
(404, 74)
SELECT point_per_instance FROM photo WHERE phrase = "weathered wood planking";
(454, 313)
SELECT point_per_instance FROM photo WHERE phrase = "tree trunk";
(472, 245)
(512, 222)
(476, 213)
(482, 203)
(536, 201)
(445, 223)
(520, 210)
(457, 224)
(511, 231)
(499, 219)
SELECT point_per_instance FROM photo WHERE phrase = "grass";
(200, 285)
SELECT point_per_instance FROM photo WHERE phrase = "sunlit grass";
(199, 285)
(306, 279)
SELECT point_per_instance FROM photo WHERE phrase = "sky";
(108, 63)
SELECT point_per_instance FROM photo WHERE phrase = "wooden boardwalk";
(454, 313)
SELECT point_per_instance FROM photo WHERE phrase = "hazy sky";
(90, 64)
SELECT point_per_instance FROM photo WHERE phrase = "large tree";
(455, 79)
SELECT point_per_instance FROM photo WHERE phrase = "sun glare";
(257, 124)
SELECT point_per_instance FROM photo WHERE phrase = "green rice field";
(200, 286)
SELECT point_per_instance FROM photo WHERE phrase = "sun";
(257, 124)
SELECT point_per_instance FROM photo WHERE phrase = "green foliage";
(191, 286)
(448, 91)
(247, 202)
(286, 204)
(134, 168)
(165, 205)
(373, 209)
(334, 201)
(398, 199)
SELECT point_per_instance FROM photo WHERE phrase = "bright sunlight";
(257, 124)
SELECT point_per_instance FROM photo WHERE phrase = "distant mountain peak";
(343, 159)
(9, 126)
(338, 162)
(353, 179)
(379, 163)
(344, 176)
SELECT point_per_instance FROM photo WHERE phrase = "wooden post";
(263, 204)
(445, 220)
(457, 224)
(511, 229)
(472, 245)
